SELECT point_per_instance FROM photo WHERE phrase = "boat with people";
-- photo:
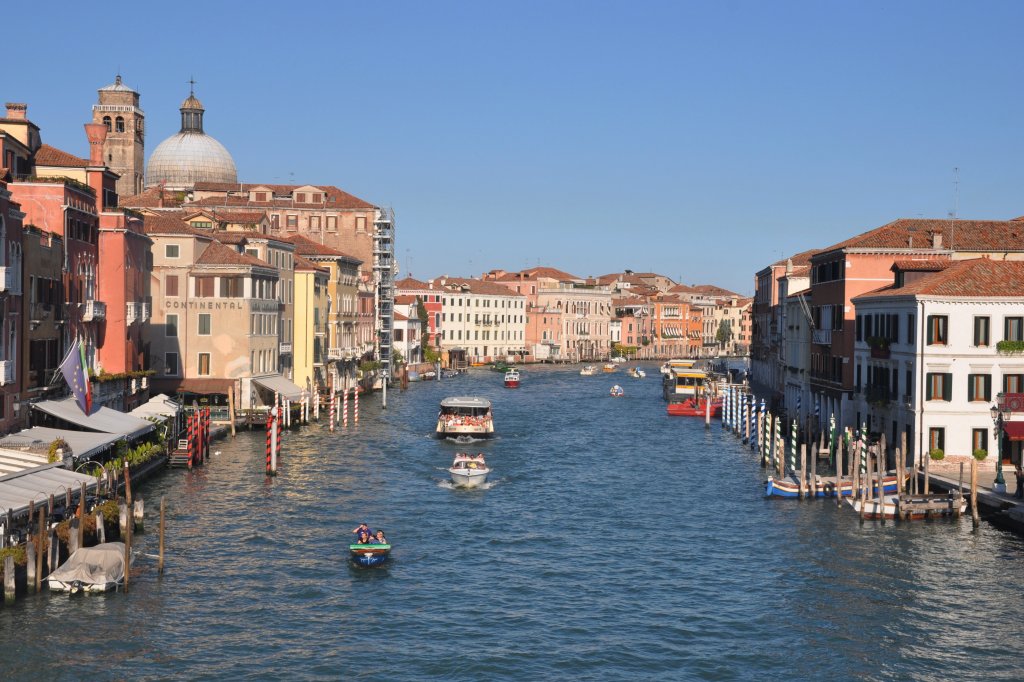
(512, 378)
(469, 471)
(465, 417)
(588, 371)
(616, 391)
(669, 365)
(90, 569)
(690, 392)
(370, 548)
(694, 407)
(609, 367)
(637, 373)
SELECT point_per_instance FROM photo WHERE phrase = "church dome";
(190, 156)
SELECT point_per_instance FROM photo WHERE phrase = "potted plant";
(980, 454)
(879, 346)
(936, 454)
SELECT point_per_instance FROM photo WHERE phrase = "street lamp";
(999, 485)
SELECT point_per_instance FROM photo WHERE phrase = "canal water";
(613, 543)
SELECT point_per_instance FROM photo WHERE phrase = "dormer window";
(261, 196)
(300, 197)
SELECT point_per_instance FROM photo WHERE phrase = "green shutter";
(928, 386)
(970, 387)
(988, 387)
(931, 330)
(947, 387)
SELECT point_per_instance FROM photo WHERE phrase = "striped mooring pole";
(792, 449)
(355, 399)
(344, 408)
(270, 443)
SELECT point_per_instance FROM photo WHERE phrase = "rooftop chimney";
(17, 110)
(936, 240)
(97, 134)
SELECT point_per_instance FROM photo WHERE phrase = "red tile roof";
(410, 284)
(916, 234)
(218, 254)
(51, 156)
(151, 198)
(305, 246)
(799, 259)
(336, 198)
(536, 273)
(712, 290)
(407, 299)
(974, 278)
(922, 265)
(475, 286)
(170, 223)
(305, 265)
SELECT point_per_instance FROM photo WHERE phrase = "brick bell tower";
(123, 151)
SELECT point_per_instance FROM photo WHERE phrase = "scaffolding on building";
(384, 276)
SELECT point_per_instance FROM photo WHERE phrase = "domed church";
(190, 156)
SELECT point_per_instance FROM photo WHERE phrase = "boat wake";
(483, 486)
(463, 439)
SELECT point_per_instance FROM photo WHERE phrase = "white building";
(485, 319)
(407, 331)
(936, 351)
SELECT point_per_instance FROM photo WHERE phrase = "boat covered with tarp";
(90, 569)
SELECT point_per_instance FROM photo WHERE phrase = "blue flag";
(73, 369)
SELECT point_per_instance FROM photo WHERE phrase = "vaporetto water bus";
(465, 416)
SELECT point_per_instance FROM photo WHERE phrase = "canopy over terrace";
(275, 383)
(104, 419)
(36, 485)
(158, 407)
(83, 444)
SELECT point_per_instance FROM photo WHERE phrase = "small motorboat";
(695, 407)
(449, 373)
(616, 391)
(609, 367)
(512, 378)
(637, 373)
(369, 555)
(90, 569)
(469, 471)
(588, 371)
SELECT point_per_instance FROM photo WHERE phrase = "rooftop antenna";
(956, 205)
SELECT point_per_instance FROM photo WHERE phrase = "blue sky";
(699, 140)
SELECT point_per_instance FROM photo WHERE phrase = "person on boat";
(361, 528)
(379, 538)
(479, 457)
(364, 538)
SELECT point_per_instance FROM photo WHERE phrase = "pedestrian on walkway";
(1019, 471)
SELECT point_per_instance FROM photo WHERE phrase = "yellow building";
(309, 348)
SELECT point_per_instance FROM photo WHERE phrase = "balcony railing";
(286, 348)
(334, 354)
(131, 313)
(6, 372)
(144, 315)
(94, 310)
(10, 280)
(822, 337)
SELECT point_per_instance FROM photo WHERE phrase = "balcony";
(286, 349)
(6, 372)
(93, 311)
(10, 280)
(131, 313)
(822, 337)
(145, 313)
(334, 354)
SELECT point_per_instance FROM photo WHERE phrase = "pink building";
(11, 337)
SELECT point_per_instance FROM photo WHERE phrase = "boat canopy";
(466, 402)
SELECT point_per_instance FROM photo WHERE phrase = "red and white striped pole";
(355, 398)
(271, 461)
(344, 408)
(331, 411)
(191, 440)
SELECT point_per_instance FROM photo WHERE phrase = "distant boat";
(512, 378)
(588, 371)
(616, 391)
(369, 555)
(609, 367)
(469, 471)
(637, 373)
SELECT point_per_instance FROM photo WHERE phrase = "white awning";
(159, 406)
(84, 444)
(37, 484)
(104, 419)
(277, 383)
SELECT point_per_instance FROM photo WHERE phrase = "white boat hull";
(469, 478)
(59, 586)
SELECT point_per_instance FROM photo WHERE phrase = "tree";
(724, 334)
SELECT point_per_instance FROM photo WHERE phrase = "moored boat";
(588, 371)
(825, 486)
(467, 416)
(694, 407)
(616, 391)
(90, 569)
(609, 367)
(469, 471)
(512, 378)
(369, 555)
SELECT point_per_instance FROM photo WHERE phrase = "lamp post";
(999, 485)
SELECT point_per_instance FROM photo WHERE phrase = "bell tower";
(124, 149)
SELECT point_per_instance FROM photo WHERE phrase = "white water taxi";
(469, 471)
(465, 417)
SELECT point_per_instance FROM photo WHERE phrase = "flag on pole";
(74, 370)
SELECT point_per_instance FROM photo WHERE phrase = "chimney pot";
(97, 135)
(936, 240)
(17, 110)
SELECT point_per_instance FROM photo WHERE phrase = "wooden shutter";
(947, 387)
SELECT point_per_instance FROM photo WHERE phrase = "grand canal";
(613, 543)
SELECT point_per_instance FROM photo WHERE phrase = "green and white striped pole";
(779, 454)
(831, 437)
(792, 450)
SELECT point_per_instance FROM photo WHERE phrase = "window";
(314, 222)
(860, 327)
(300, 197)
(261, 196)
(119, 124)
(106, 122)
(979, 439)
(293, 222)
(171, 364)
(1013, 329)
(275, 221)
(398, 335)
(981, 331)
(204, 287)
(938, 386)
(204, 324)
(203, 224)
(171, 285)
(204, 364)
(1013, 383)
(171, 327)
(171, 251)
(332, 223)
(937, 438)
(979, 387)
(937, 330)
(361, 224)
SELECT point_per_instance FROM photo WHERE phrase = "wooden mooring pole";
(975, 518)
(160, 563)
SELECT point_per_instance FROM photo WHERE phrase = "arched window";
(106, 122)
(119, 124)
